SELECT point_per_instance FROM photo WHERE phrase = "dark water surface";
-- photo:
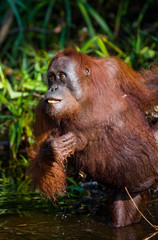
(40, 226)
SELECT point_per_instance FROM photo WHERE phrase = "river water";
(40, 226)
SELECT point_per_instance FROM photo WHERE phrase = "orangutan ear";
(87, 71)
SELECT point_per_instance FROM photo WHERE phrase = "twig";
(38, 95)
(57, 29)
(6, 26)
(151, 235)
(154, 226)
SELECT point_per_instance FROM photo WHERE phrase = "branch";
(57, 29)
(154, 226)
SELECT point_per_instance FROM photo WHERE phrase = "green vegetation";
(31, 33)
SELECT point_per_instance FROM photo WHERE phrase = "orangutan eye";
(51, 79)
(51, 76)
(62, 76)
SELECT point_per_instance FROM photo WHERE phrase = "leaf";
(88, 44)
(16, 13)
(6, 116)
(86, 18)
(72, 181)
(148, 53)
(102, 47)
(22, 184)
(62, 38)
(113, 46)
(98, 18)
(10, 105)
(68, 13)
(46, 20)
(35, 86)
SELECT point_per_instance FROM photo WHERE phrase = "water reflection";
(38, 226)
(41, 227)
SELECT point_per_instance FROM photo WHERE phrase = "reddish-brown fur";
(107, 135)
